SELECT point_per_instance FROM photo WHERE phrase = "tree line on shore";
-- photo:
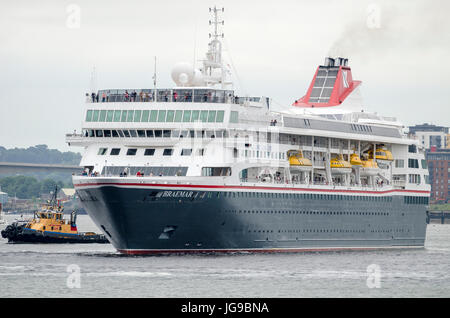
(39, 154)
(26, 187)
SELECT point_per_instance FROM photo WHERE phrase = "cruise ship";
(196, 168)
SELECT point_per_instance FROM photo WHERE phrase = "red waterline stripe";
(243, 187)
(280, 250)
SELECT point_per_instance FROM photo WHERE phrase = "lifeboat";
(355, 160)
(340, 166)
(298, 162)
(369, 168)
(382, 156)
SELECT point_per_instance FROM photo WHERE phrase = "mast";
(213, 59)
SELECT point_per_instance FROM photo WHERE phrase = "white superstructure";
(200, 129)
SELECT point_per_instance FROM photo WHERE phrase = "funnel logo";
(344, 77)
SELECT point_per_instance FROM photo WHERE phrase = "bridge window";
(153, 115)
(89, 115)
(220, 116)
(123, 117)
(234, 117)
(187, 116)
(109, 115)
(204, 116)
(178, 116)
(102, 115)
(211, 116)
(130, 115)
(170, 116)
(115, 151)
(117, 114)
(145, 115)
(95, 115)
(195, 115)
(137, 115)
(161, 116)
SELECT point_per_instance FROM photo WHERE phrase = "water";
(30, 270)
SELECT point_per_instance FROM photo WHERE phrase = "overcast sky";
(399, 49)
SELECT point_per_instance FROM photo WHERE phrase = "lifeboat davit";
(369, 168)
(298, 162)
(340, 166)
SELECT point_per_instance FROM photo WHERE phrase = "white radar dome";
(183, 74)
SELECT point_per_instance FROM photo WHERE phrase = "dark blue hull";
(156, 220)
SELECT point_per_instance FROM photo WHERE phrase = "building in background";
(439, 168)
(436, 139)
(431, 135)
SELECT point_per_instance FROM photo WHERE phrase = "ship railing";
(335, 185)
(164, 95)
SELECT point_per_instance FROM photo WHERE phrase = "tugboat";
(48, 226)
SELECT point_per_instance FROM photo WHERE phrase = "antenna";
(214, 55)
(216, 21)
(154, 76)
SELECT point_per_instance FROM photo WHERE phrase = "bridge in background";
(13, 168)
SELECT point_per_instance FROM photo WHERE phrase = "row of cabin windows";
(307, 212)
(157, 133)
(149, 152)
(404, 230)
(415, 200)
(162, 116)
(306, 196)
